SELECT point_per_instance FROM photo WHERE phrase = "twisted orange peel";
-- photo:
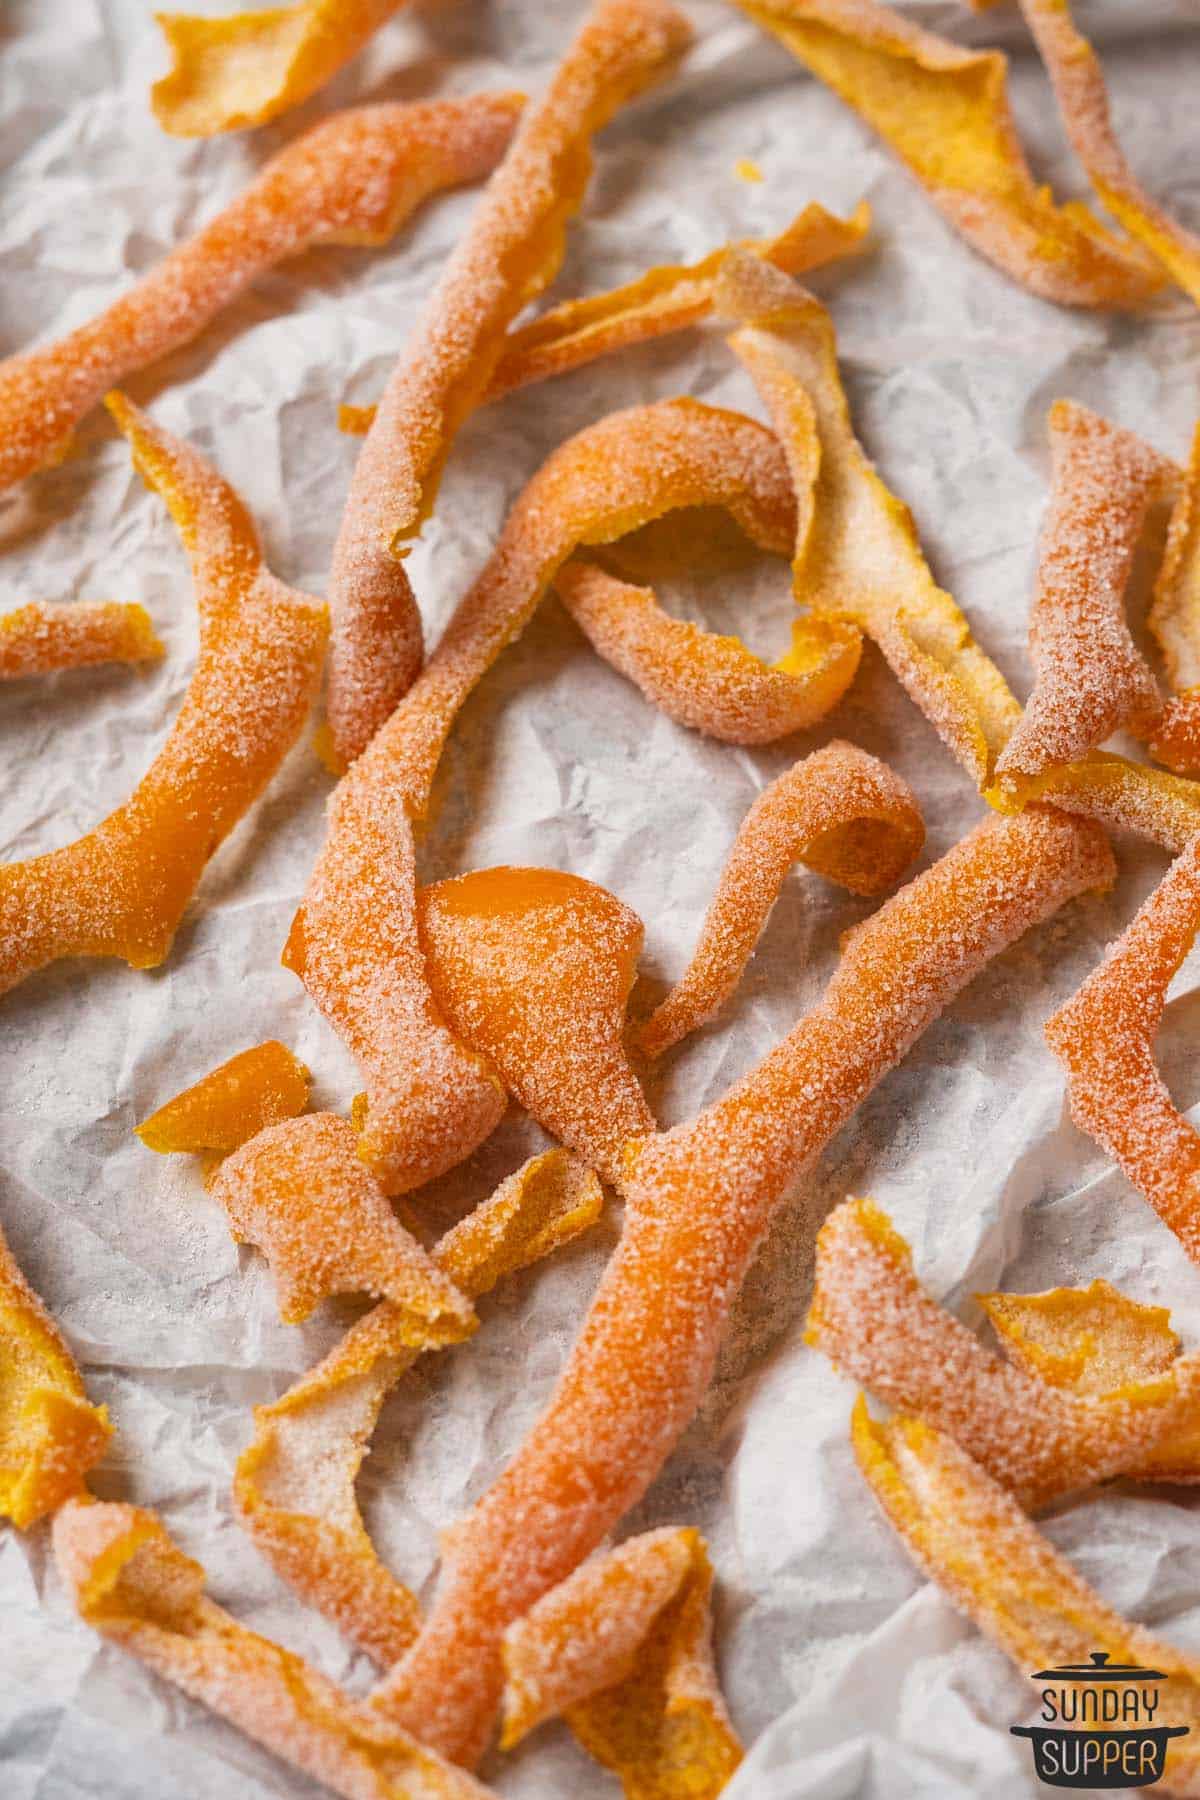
(294, 1486)
(510, 252)
(40, 637)
(232, 1103)
(623, 1651)
(122, 889)
(945, 113)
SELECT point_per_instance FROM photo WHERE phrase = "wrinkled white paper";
(847, 1675)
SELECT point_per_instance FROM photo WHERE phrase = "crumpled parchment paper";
(847, 1675)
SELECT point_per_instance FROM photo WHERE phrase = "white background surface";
(846, 1674)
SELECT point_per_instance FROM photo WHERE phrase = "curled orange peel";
(232, 1103)
(1104, 1037)
(50, 1436)
(972, 1537)
(1174, 620)
(871, 1317)
(246, 68)
(860, 559)
(294, 1486)
(130, 1582)
(355, 942)
(623, 1651)
(709, 682)
(532, 969)
(667, 298)
(698, 1200)
(1090, 677)
(40, 637)
(945, 113)
(1079, 86)
(840, 812)
(299, 1192)
(122, 889)
(509, 254)
(352, 179)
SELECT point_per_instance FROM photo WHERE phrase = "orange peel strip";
(122, 889)
(355, 942)
(623, 1651)
(232, 1103)
(532, 969)
(299, 1192)
(709, 682)
(228, 73)
(50, 1436)
(945, 113)
(971, 1537)
(861, 559)
(294, 1486)
(1104, 1037)
(352, 179)
(1090, 677)
(511, 251)
(40, 637)
(667, 298)
(1079, 86)
(1114, 791)
(131, 1583)
(840, 812)
(1174, 619)
(698, 1201)
(872, 1319)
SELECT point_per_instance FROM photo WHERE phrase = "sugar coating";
(230, 72)
(40, 637)
(872, 1319)
(350, 180)
(699, 1198)
(122, 889)
(1091, 678)
(233, 1102)
(509, 253)
(945, 112)
(839, 811)
(712, 683)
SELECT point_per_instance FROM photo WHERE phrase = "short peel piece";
(1114, 791)
(50, 1435)
(133, 1584)
(294, 1486)
(300, 1193)
(41, 637)
(352, 179)
(231, 1104)
(871, 1317)
(243, 69)
(945, 113)
(509, 254)
(840, 812)
(623, 1651)
(122, 889)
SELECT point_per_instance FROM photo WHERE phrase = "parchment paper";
(844, 1671)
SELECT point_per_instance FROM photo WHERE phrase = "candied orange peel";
(294, 1486)
(352, 179)
(667, 298)
(130, 1582)
(872, 1319)
(971, 1537)
(50, 1435)
(945, 113)
(509, 254)
(623, 1651)
(1174, 619)
(232, 1103)
(840, 812)
(122, 889)
(243, 69)
(40, 637)
(1115, 791)
(698, 1199)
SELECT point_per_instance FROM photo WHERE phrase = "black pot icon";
(1081, 1748)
